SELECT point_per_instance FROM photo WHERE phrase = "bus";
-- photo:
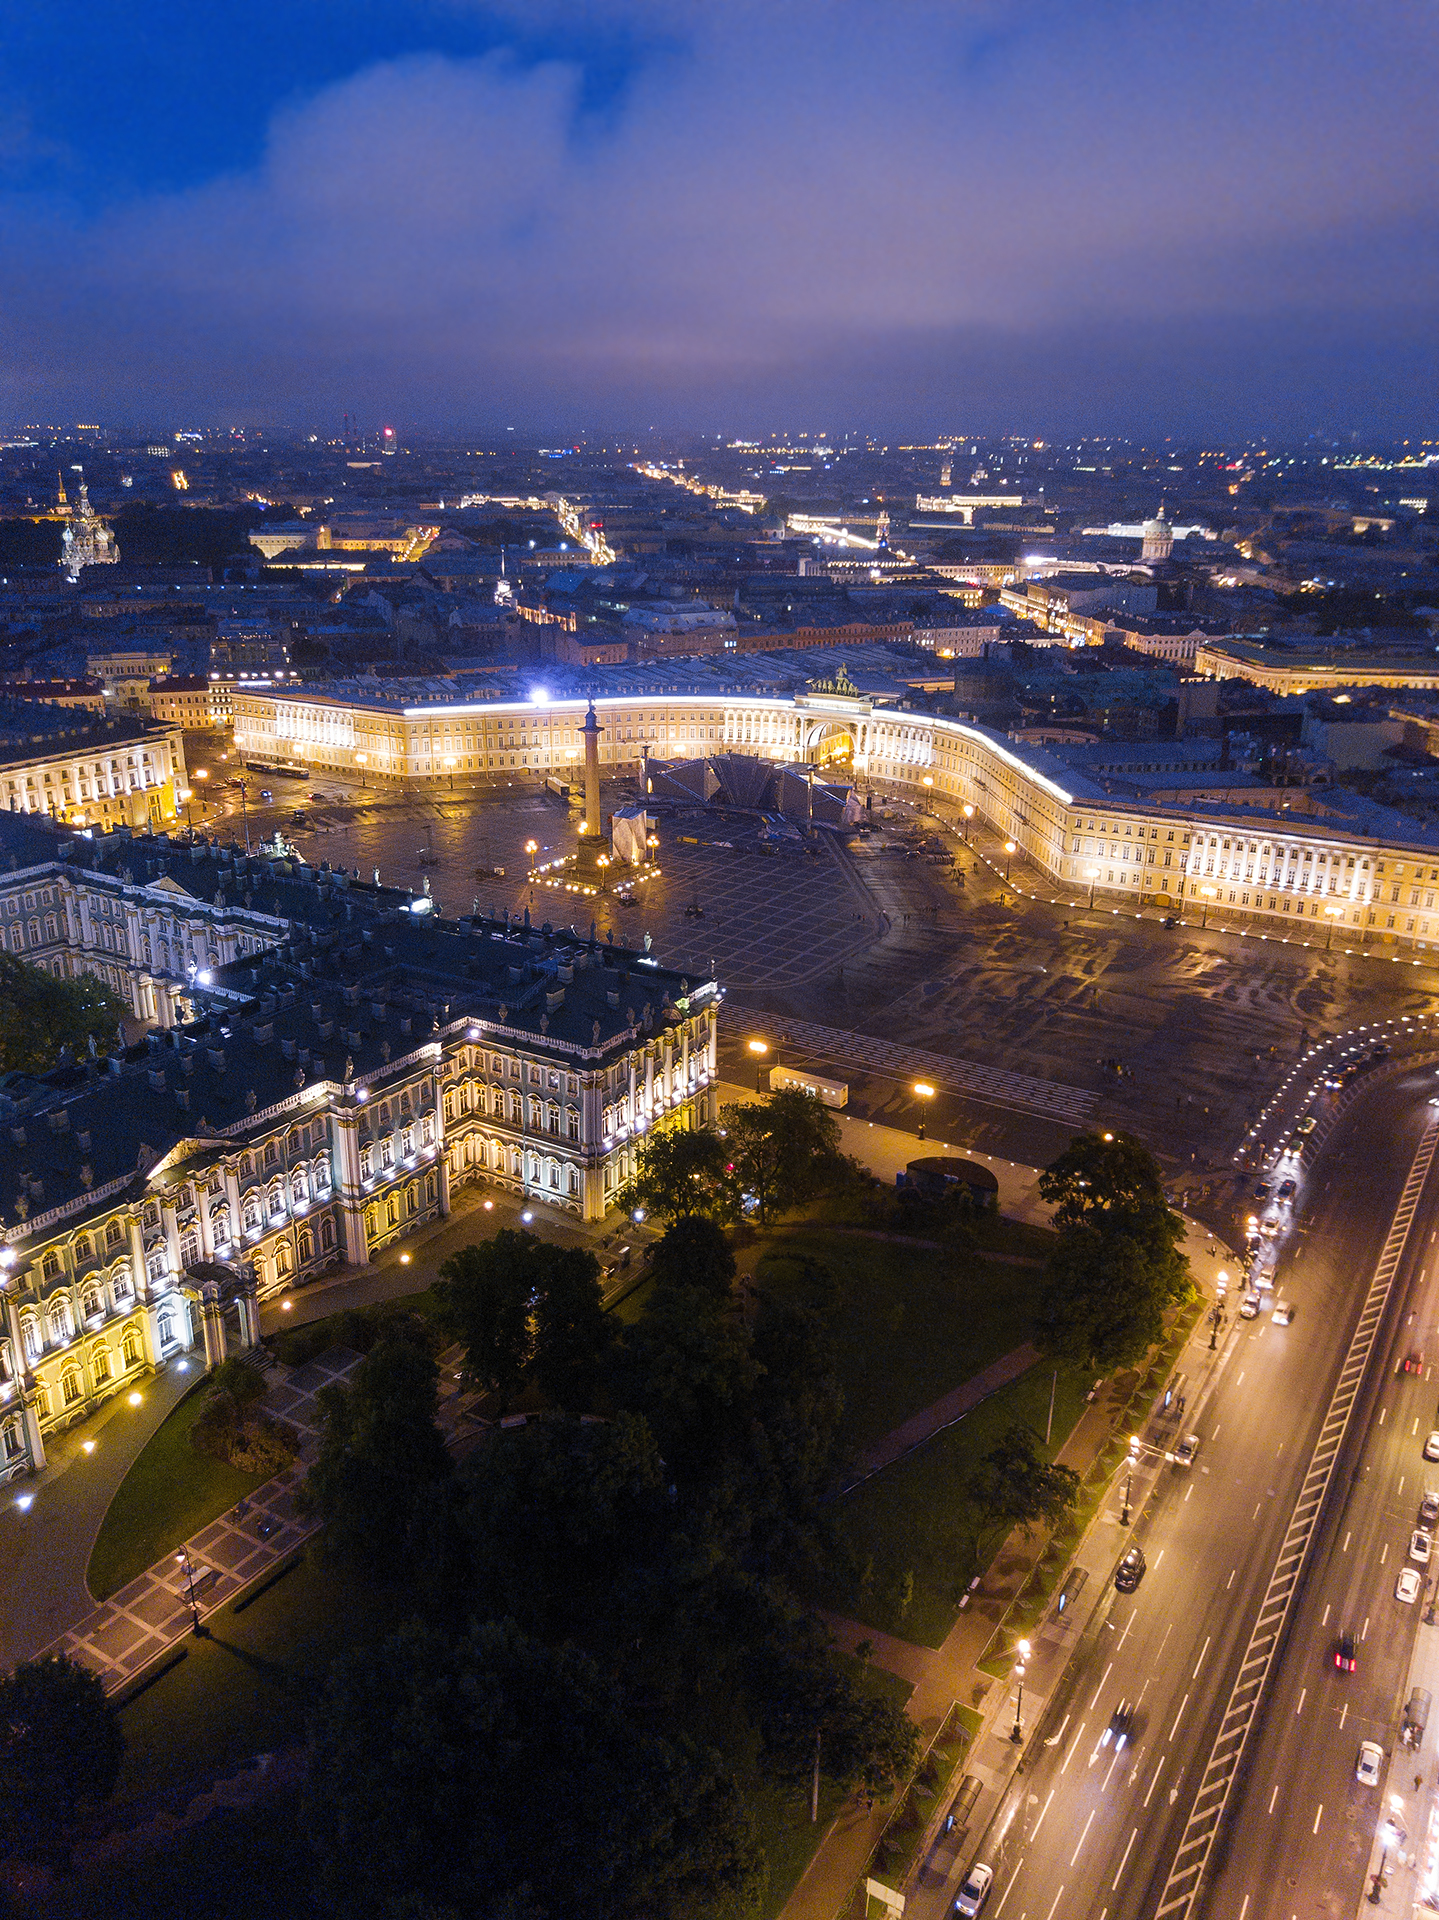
(832, 1093)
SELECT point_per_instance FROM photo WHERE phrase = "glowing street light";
(532, 847)
(1207, 894)
(1091, 874)
(1022, 1649)
(448, 764)
(759, 1048)
(361, 761)
(1009, 851)
(925, 1092)
(968, 816)
(1129, 1478)
(1332, 914)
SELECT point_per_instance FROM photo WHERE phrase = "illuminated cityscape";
(719, 935)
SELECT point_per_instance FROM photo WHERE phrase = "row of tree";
(580, 1583)
(766, 1157)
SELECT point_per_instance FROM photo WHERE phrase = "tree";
(497, 1775)
(60, 1749)
(40, 1015)
(694, 1252)
(1014, 1486)
(801, 1692)
(679, 1173)
(485, 1294)
(1117, 1267)
(798, 1405)
(1100, 1178)
(782, 1150)
(381, 1456)
(573, 1333)
(521, 1305)
(685, 1364)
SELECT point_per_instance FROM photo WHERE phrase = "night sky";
(1206, 220)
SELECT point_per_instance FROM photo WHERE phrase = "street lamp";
(244, 816)
(968, 816)
(1332, 914)
(1022, 1649)
(448, 763)
(182, 1559)
(759, 1048)
(361, 761)
(1129, 1479)
(925, 1092)
(532, 847)
(1091, 874)
(202, 773)
(1009, 851)
(1207, 894)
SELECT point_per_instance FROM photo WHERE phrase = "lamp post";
(202, 773)
(925, 1092)
(928, 780)
(361, 760)
(968, 816)
(448, 763)
(1022, 1649)
(1091, 874)
(532, 847)
(1129, 1479)
(1332, 914)
(1207, 894)
(244, 816)
(759, 1048)
(1009, 852)
(182, 1559)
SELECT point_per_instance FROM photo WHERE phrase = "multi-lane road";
(1083, 1833)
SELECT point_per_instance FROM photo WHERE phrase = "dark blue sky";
(801, 214)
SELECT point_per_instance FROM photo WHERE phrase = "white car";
(1249, 1306)
(1283, 1313)
(975, 1891)
(1431, 1446)
(1370, 1764)
(1408, 1587)
(1420, 1545)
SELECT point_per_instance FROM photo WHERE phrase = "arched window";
(372, 1222)
(83, 1250)
(189, 1250)
(14, 1444)
(50, 1265)
(220, 1225)
(555, 1175)
(130, 1347)
(307, 1245)
(392, 1210)
(114, 1233)
(120, 1286)
(327, 1233)
(72, 1387)
(90, 1302)
(283, 1260)
(100, 1365)
(277, 1201)
(322, 1173)
(60, 1328)
(252, 1214)
(298, 1191)
(574, 1180)
(166, 1329)
(412, 1198)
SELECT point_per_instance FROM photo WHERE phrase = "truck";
(832, 1093)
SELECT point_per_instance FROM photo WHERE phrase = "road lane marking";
(1191, 1489)
(1019, 1869)
(1200, 1662)
(1073, 1745)
(1240, 1381)
(1040, 1821)
(1343, 1715)
(1318, 1816)
(1382, 1412)
(1162, 1552)
(1055, 1738)
(1273, 1797)
(1179, 1716)
(1100, 1688)
(1325, 1621)
(1167, 1631)
(1364, 1630)
(1345, 1547)
(1245, 1908)
(1057, 1897)
(1258, 1508)
(1108, 1777)
(1230, 1581)
(1415, 1428)
(1303, 1696)
(1154, 1782)
(1084, 1836)
(1384, 1553)
(1400, 1488)
(1124, 1859)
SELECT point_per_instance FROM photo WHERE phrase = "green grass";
(170, 1492)
(913, 1517)
(913, 1322)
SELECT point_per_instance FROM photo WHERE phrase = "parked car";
(1184, 1453)
(975, 1891)
(1408, 1586)
(1283, 1314)
(1431, 1447)
(1306, 1125)
(1261, 1191)
(1420, 1546)
(1369, 1767)
(1249, 1305)
(1429, 1507)
(265, 794)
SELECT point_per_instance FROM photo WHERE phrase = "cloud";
(778, 195)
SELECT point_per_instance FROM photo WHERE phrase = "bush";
(252, 1442)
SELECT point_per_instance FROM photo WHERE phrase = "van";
(1416, 1718)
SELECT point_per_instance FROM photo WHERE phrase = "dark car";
(1344, 1660)
(265, 794)
(1170, 921)
(694, 912)
(1130, 1571)
(1413, 1362)
(1286, 1189)
(1381, 1052)
(1121, 1726)
(1261, 1191)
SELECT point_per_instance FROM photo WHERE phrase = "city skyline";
(613, 217)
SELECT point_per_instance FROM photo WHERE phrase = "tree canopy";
(60, 1749)
(782, 1150)
(41, 1015)
(680, 1173)
(523, 1307)
(1015, 1486)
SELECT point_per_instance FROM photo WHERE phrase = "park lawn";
(914, 1518)
(912, 1322)
(170, 1492)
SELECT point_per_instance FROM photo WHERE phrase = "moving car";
(1261, 1191)
(1420, 1546)
(265, 794)
(1249, 1305)
(1408, 1586)
(1131, 1570)
(1381, 1052)
(1431, 1447)
(1306, 1125)
(1286, 1189)
(1429, 1507)
(975, 1891)
(1184, 1453)
(1121, 1726)
(1344, 1659)
(1283, 1313)
(1370, 1764)
(1413, 1363)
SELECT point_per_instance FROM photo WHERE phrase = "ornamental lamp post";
(448, 763)
(1207, 894)
(361, 761)
(759, 1048)
(1332, 914)
(1022, 1649)
(1009, 853)
(1129, 1479)
(1091, 874)
(925, 1092)
(182, 1559)
(968, 816)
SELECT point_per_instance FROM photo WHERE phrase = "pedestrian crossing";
(968, 1078)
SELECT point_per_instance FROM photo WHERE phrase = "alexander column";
(592, 838)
